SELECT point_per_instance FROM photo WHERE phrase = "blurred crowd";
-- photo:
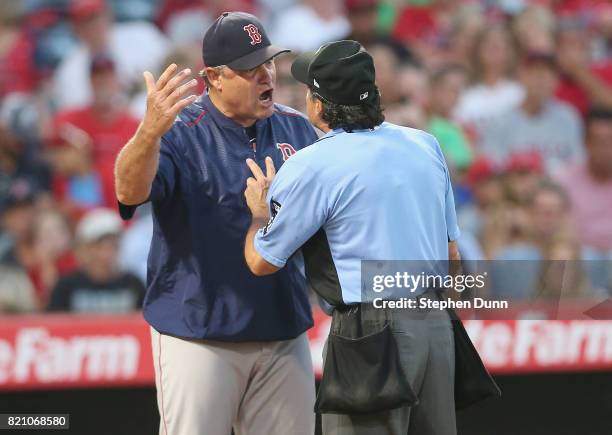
(517, 92)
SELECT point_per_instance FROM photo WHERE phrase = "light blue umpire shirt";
(379, 194)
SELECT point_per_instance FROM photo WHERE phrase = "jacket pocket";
(363, 375)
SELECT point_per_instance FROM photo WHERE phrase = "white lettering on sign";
(37, 356)
(542, 343)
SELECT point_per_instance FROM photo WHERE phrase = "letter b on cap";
(253, 33)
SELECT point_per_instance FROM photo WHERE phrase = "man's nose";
(264, 73)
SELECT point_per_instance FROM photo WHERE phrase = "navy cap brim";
(256, 58)
(300, 66)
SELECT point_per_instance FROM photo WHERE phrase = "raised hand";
(165, 99)
(257, 188)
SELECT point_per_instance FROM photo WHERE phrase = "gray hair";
(203, 74)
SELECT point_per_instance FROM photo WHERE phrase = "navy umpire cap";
(341, 72)
(238, 40)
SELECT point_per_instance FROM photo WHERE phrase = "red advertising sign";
(523, 346)
(58, 351)
(67, 351)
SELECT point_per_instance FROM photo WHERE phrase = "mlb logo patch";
(275, 207)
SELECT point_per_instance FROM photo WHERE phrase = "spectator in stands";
(603, 33)
(36, 239)
(17, 293)
(387, 65)
(365, 27)
(106, 120)
(98, 286)
(465, 27)
(52, 240)
(446, 86)
(77, 184)
(17, 70)
(87, 140)
(564, 277)
(17, 250)
(411, 84)
(534, 29)
(532, 217)
(589, 184)
(540, 124)
(493, 90)
(288, 90)
(500, 225)
(549, 208)
(183, 20)
(523, 172)
(583, 83)
(425, 28)
(483, 180)
(517, 259)
(310, 23)
(17, 165)
(363, 18)
(507, 228)
(133, 46)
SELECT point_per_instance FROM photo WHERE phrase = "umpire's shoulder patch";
(275, 207)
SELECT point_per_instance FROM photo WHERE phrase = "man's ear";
(214, 78)
(318, 107)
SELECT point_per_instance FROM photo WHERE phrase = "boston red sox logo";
(286, 150)
(253, 32)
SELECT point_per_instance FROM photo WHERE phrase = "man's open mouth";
(266, 96)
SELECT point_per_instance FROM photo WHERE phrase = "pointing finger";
(256, 170)
(270, 170)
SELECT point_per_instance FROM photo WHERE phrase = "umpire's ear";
(318, 106)
(314, 107)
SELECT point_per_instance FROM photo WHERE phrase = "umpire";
(229, 348)
(366, 190)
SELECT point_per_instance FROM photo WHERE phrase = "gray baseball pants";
(426, 347)
(209, 388)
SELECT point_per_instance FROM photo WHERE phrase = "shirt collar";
(205, 102)
(336, 131)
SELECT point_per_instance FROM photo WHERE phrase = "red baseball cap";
(80, 9)
(526, 161)
(481, 169)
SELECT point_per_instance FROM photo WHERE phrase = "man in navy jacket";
(229, 348)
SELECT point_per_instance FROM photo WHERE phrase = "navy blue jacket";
(198, 283)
